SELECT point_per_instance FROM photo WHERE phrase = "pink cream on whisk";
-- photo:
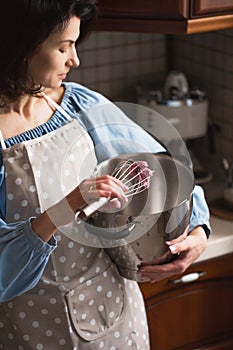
(140, 171)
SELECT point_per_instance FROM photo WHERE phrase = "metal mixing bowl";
(137, 232)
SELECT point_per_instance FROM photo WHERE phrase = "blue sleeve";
(23, 257)
(200, 213)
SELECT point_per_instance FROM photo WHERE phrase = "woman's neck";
(28, 112)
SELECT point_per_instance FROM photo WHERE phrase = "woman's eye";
(62, 50)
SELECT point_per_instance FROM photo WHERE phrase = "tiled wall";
(207, 60)
(114, 63)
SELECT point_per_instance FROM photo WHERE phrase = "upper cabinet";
(166, 16)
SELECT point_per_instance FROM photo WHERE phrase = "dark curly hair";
(25, 24)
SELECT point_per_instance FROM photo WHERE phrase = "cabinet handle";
(190, 277)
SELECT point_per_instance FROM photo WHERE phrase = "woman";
(55, 292)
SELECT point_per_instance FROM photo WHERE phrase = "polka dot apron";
(81, 302)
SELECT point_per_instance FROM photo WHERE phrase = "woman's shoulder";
(83, 97)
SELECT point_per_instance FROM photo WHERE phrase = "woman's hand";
(63, 212)
(187, 247)
(85, 193)
(92, 189)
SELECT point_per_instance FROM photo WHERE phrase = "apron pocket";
(97, 306)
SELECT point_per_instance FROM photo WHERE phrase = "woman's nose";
(74, 60)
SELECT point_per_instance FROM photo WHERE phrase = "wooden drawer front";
(198, 315)
(212, 269)
(167, 9)
(202, 8)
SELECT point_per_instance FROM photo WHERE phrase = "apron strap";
(55, 105)
(2, 142)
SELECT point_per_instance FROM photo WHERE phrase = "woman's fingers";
(188, 251)
(103, 186)
(174, 244)
(159, 260)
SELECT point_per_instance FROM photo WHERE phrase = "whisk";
(133, 174)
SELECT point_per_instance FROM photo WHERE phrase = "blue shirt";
(23, 255)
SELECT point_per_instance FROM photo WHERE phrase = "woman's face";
(54, 57)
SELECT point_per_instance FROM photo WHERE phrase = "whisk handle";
(90, 209)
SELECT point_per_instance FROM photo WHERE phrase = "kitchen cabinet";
(167, 16)
(193, 315)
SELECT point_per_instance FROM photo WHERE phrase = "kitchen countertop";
(220, 241)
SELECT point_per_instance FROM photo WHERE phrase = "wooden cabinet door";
(196, 315)
(173, 9)
(166, 16)
(166, 9)
(200, 8)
